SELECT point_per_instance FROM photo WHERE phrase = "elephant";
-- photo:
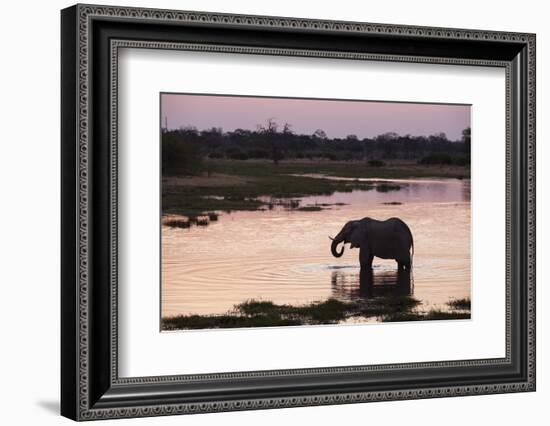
(388, 239)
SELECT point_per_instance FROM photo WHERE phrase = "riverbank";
(254, 313)
(232, 185)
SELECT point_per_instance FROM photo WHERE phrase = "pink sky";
(337, 118)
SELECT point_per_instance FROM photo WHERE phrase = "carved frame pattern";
(85, 14)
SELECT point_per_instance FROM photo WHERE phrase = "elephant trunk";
(334, 247)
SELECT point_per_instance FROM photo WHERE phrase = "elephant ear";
(358, 234)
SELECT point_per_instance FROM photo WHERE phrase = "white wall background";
(29, 216)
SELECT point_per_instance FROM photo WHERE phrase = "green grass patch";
(310, 209)
(434, 314)
(264, 178)
(258, 313)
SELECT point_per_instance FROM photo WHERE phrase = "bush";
(258, 153)
(432, 159)
(444, 159)
(215, 155)
(330, 156)
(238, 156)
(462, 161)
(376, 163)
(179, 156)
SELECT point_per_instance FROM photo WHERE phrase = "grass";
(310, 209)
(350, 169)
(434, 314)
(463, 304)
(459, 309)
(263, 178)
(387, 187)
(263, 313)
(178, 223)
(252, 181)
(257, 313)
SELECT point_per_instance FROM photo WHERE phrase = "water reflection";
(368, 284)
(283, 256)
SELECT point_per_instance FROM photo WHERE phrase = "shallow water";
(284, 255)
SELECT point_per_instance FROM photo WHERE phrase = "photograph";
(293, 212)
(297, 192)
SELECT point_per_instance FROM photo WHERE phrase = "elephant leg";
(365, 259)
(403, 265)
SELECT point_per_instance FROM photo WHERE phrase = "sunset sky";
(337, 118)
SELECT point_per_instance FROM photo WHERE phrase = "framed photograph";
(263, 212)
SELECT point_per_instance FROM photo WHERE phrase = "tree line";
(184, 149)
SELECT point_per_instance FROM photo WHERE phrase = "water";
(284, 255)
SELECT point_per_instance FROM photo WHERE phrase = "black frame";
(90, 386)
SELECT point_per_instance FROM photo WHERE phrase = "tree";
(271, 135)
(320, 134)
(466, 138)
(180, 156)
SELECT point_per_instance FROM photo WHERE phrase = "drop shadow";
(50, 406)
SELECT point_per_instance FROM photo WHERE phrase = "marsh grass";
(202, 221)
(463, 304)
(264, 313)
(258, 313)
(387, 187)
(434, 314)
(310, 209)
(459, 309)
(262, 179)
(178, 223)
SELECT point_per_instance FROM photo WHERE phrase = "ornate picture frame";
(91, 39)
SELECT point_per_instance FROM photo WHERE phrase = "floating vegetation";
(202, 221)
(294, 204)
(387, 187)
(310, 209)
(178, 223)
(187, 222)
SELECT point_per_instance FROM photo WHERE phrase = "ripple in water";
(285, 256)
